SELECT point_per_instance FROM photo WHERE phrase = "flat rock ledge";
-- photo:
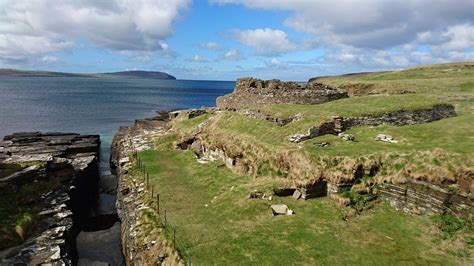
(73, 160)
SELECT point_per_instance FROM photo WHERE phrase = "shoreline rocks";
(68, 158)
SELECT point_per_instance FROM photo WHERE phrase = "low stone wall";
(398, 118)
(254, 93)
(69, 158)
(424, 198)
(130, 196)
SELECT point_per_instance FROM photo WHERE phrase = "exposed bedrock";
(251, 92)
(71, 160)
(339, 124)
(425, 198)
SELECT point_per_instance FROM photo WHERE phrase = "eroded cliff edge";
(142, 232)
(51, 181)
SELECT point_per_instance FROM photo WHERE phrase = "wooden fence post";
(165, 218)
(174, 238)
(158, 203)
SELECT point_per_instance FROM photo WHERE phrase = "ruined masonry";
(254, 93)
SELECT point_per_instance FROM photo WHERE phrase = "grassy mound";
(216, 223)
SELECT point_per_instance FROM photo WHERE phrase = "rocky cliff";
(133, 199)
(57, 173)
(251, 92)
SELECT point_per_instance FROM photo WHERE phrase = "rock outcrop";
(254, 93)
(424, 198)
(71, 161)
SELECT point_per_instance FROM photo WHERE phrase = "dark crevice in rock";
(72, 161)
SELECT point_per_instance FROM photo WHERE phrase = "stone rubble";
(386, 138)
(281, 209)
(346, 137)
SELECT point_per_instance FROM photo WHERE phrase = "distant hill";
(121, 74)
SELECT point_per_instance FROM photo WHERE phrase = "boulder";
(346, 137)
(281, 209)
(386, 138)
(297, 194)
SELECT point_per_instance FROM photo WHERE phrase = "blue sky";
(228, 39)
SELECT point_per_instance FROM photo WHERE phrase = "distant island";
(121, 74)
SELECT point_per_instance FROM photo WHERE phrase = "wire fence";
(157, 205)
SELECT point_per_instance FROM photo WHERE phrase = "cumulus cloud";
(197, 58)
(266, 42)
(232, 54)
(35, 28)
(379, 34)
(211, 46)
(49, 59)
(374, 24)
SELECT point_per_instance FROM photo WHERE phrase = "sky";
(227, 39)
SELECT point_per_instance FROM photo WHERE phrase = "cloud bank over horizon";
(225, 39)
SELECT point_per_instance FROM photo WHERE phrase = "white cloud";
(376, 34)
(374, 24)
(211, 46)
(232, 54)
(29, 28)
(48, 59)
(266, 42)
(274, 62)
(198, 58)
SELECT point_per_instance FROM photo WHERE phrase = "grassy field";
(443, 81)
(216, 223)
(267, 151)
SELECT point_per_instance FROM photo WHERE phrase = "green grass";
(8, 169)
(271, 136)
(267, 150)
(18, 211)
(233, 229)
(439, 80)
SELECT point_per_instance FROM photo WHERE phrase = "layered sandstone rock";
(72, 161)
(251, 93)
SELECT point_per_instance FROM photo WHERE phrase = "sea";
(96, 105)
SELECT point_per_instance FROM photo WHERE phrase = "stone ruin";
(251, 92)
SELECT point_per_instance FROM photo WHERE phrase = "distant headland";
(121, 74)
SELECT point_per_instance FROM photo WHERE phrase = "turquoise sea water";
(96, 105)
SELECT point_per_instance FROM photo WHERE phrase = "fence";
(170, 231)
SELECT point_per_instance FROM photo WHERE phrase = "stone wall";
(398, 118)
(132, 196)
(425, 198)
(254, 93)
